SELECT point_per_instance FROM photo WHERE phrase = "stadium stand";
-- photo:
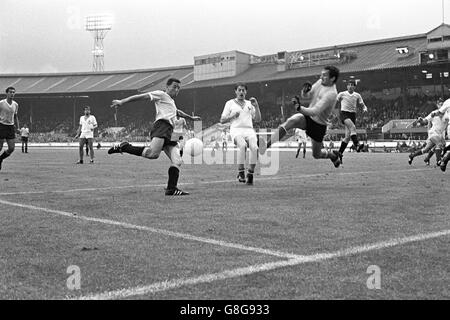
(395, 76)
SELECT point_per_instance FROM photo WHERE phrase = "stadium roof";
(374, 55)
(371, 55)
(70, 83)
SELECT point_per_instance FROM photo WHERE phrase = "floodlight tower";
(99, 25)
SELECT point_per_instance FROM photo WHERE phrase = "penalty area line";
(259, 268)
(168, 233)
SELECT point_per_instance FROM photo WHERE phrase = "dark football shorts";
(163, 129)
(7, 132)
(348, 115)
(315, 130)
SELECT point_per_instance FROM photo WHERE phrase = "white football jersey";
(165, 106)
(438, 124)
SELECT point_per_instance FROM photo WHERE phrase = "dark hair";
(10, 88)
(87, 107)
(334, 72)
(240, 84)
(353, 82)
(172, 80)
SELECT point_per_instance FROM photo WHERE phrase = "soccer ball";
(194, 147)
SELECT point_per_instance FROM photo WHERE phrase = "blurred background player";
(179, 133)
(314, 119)
(300, 136)
(241, 113)
(161, 133)
(8, 116)
(444, 111)
(224, 138)
(430, 154)
(436, 139)
(349, 101)
(24, 134)
(85, 132)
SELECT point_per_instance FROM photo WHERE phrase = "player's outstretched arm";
(138, 97)
(183, 114)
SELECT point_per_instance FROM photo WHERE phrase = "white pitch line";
(206, 182)
(155, 230)
(239, 272)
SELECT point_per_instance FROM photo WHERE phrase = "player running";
(350, 100)
(444, 111)
(430, 154)
(439, 122)
(8, 116)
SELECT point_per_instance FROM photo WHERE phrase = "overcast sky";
(49, 35)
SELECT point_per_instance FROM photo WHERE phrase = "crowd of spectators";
(138, 125)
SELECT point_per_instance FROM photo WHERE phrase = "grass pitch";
(226, 240)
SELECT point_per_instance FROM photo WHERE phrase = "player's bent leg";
(353, 134)
(320, 153)
(444, 161)
(296, 121)
(241, 145)
(344, 142)
(153, 151)
(11, 147)
(429, 156)
(430, 145)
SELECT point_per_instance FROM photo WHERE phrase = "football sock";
(137, 151)
(429, 155)
(4, 155)
(417, 153)
(355, 140)
(343, 146)
(174, 174)
(438, 155)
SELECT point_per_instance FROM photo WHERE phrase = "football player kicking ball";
(161, 134)
(314, 120)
